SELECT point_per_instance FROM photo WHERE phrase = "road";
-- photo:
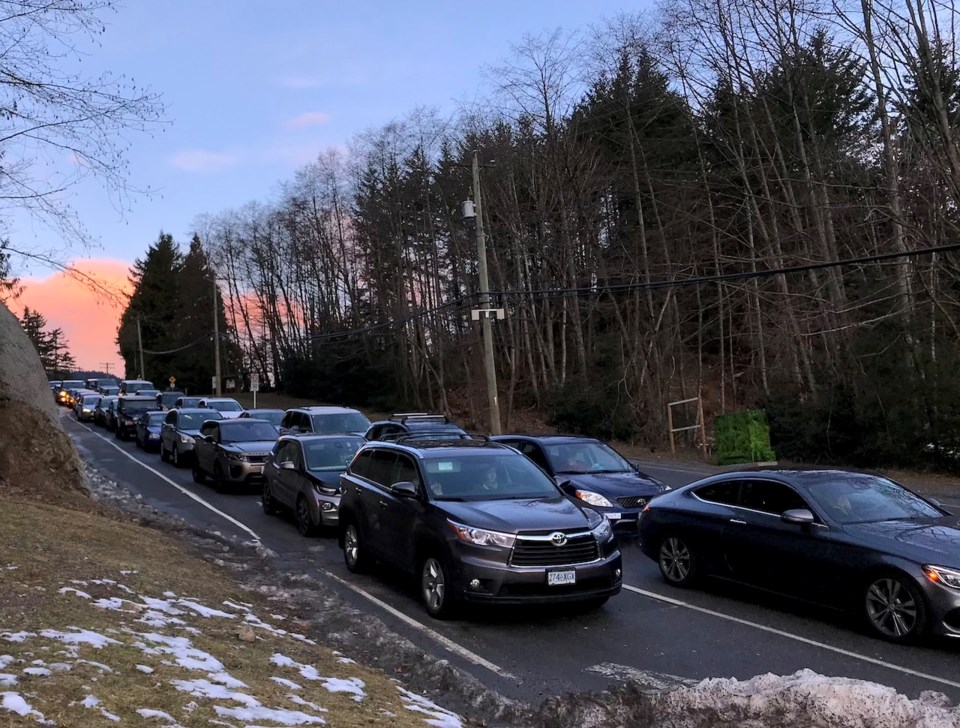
(650, 632)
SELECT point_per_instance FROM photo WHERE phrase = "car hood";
(191, 433)
(514, 516)
(617, 485)
(327, 478)
(153, 429)
(230, 415)
(930, 540)
(254, 446)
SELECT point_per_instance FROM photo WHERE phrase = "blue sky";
(255, 90)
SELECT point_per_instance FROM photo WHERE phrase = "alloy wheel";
(892, 609)
(433, 586)
(304, 522)
(266, 500)
(353, 555)
(676, 561)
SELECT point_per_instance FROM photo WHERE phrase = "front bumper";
(242, 472)
(325, 510)
(500, 583)
(944, 604)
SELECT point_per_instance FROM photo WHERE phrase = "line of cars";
(521, 518)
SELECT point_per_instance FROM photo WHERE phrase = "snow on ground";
(804, 698)
(232, 699)
(437, 716)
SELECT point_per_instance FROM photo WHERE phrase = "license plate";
(614, 516)
(556, 578)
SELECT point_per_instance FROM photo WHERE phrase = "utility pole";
(216, 342)
(140, 346)
(488, 362)
(106, 366)
(56, 353)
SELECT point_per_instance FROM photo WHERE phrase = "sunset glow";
(87, 307)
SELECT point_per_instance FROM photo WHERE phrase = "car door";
(286, 480)
(763, 550)
(399, 514)
(168, 431)
(205, 446)
(379, 476)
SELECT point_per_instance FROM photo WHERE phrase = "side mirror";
(288, 465)
(404, 489)
(797, 516)
(934, 502)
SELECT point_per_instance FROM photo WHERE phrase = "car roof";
(549, 439)
(245, 421)
(802, 476)
(139, 398)
(316, 438)
(429, 449)
(265, 409)
(218, 399)
(324, 409)
(191, 410)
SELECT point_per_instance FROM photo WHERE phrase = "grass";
(46, 548)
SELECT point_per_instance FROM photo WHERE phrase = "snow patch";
(440, 717)
(91, 701)
(286, 683)
(17, 636)
(352, 685)
(204, 611)
(16, 704)
(7, 680)
(145, 668)
(273, 715)
(79, 637)
(78, 592)
(37, 671)
(207, 689)
(151, 713)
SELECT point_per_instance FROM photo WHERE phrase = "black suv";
(128, 410)
(419, 424)
(474, 521)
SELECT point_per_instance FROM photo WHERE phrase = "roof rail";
(441, 436)
(404, 416)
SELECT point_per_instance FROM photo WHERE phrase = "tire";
(267, 502)
(177, 460)
(894, 608)
(305, 523)
(354, 553)
(199, 476)
(163, 453)
(678, 563)
(136, 441)
(436, 588)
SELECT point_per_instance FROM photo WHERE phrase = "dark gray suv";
(474, 521)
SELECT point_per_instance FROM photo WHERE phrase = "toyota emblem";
(558, 539)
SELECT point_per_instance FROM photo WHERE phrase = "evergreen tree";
(51, 346)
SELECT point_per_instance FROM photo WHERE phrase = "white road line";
(436, 636)
(410, 621)
(789, 635)
(179, 487)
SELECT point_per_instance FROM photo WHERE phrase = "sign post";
(173, 381)
(254, 387)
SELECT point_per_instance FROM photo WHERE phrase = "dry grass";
(53, 548)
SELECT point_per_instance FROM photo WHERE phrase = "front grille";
(633, 501)
(257, 458)
(580, 549)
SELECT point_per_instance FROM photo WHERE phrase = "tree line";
(717, 138)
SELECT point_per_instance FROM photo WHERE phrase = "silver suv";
(232, 451)
(179, 432)
(323, 420)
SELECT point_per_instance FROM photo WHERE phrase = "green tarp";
(743, 437)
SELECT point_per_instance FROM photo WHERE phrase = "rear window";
(193, 420)
(340, 422)
(247, 431)
(138, 408)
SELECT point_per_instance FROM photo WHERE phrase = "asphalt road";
(650, 632)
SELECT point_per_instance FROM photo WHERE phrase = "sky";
(253, 91)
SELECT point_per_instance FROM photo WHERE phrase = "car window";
(171, 418)
(726, 492)
(361, 464)
(496, 475)
(533, 452)
(769, 496)
(864, 498)
(288, 452)
(381, 469)
(208, 428)
(406, 470)
(586, 456)
(330, 454)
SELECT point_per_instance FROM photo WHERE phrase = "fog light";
(326, 506)
(616, 573)
(474, 583)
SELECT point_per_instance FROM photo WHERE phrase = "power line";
(651, 285)
(206, 337)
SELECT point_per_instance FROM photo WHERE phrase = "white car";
(231, 409)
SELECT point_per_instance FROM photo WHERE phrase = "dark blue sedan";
(591, 472)
(851, 540)
(148, 430)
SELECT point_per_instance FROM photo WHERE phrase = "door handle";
(738, 522)
(384, 504)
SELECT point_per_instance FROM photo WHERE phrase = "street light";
(472, 210)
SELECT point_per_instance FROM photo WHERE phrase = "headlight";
(479, 537)
(603, 532)
(594, 499)
(187, 440)
(324, 490)
(236, 457)
(943, 575)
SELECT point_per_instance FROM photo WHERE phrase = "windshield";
(134, 387)
(492, 476)
(585, 457)
(155, 418)
(247, 431)
(340, 422)
(193, 420)
(224, 405)
(190, 401)
(91, 399)
(861, 498)
(330, 455)
(71, 384)
(274, 417)
(110, 390)
(107, 402)
(137, 408)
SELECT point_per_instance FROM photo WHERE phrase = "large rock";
(37, 459)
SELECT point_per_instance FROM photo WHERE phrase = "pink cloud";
(87, 306)
(307, 119)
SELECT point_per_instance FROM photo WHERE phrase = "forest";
(749, 201)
